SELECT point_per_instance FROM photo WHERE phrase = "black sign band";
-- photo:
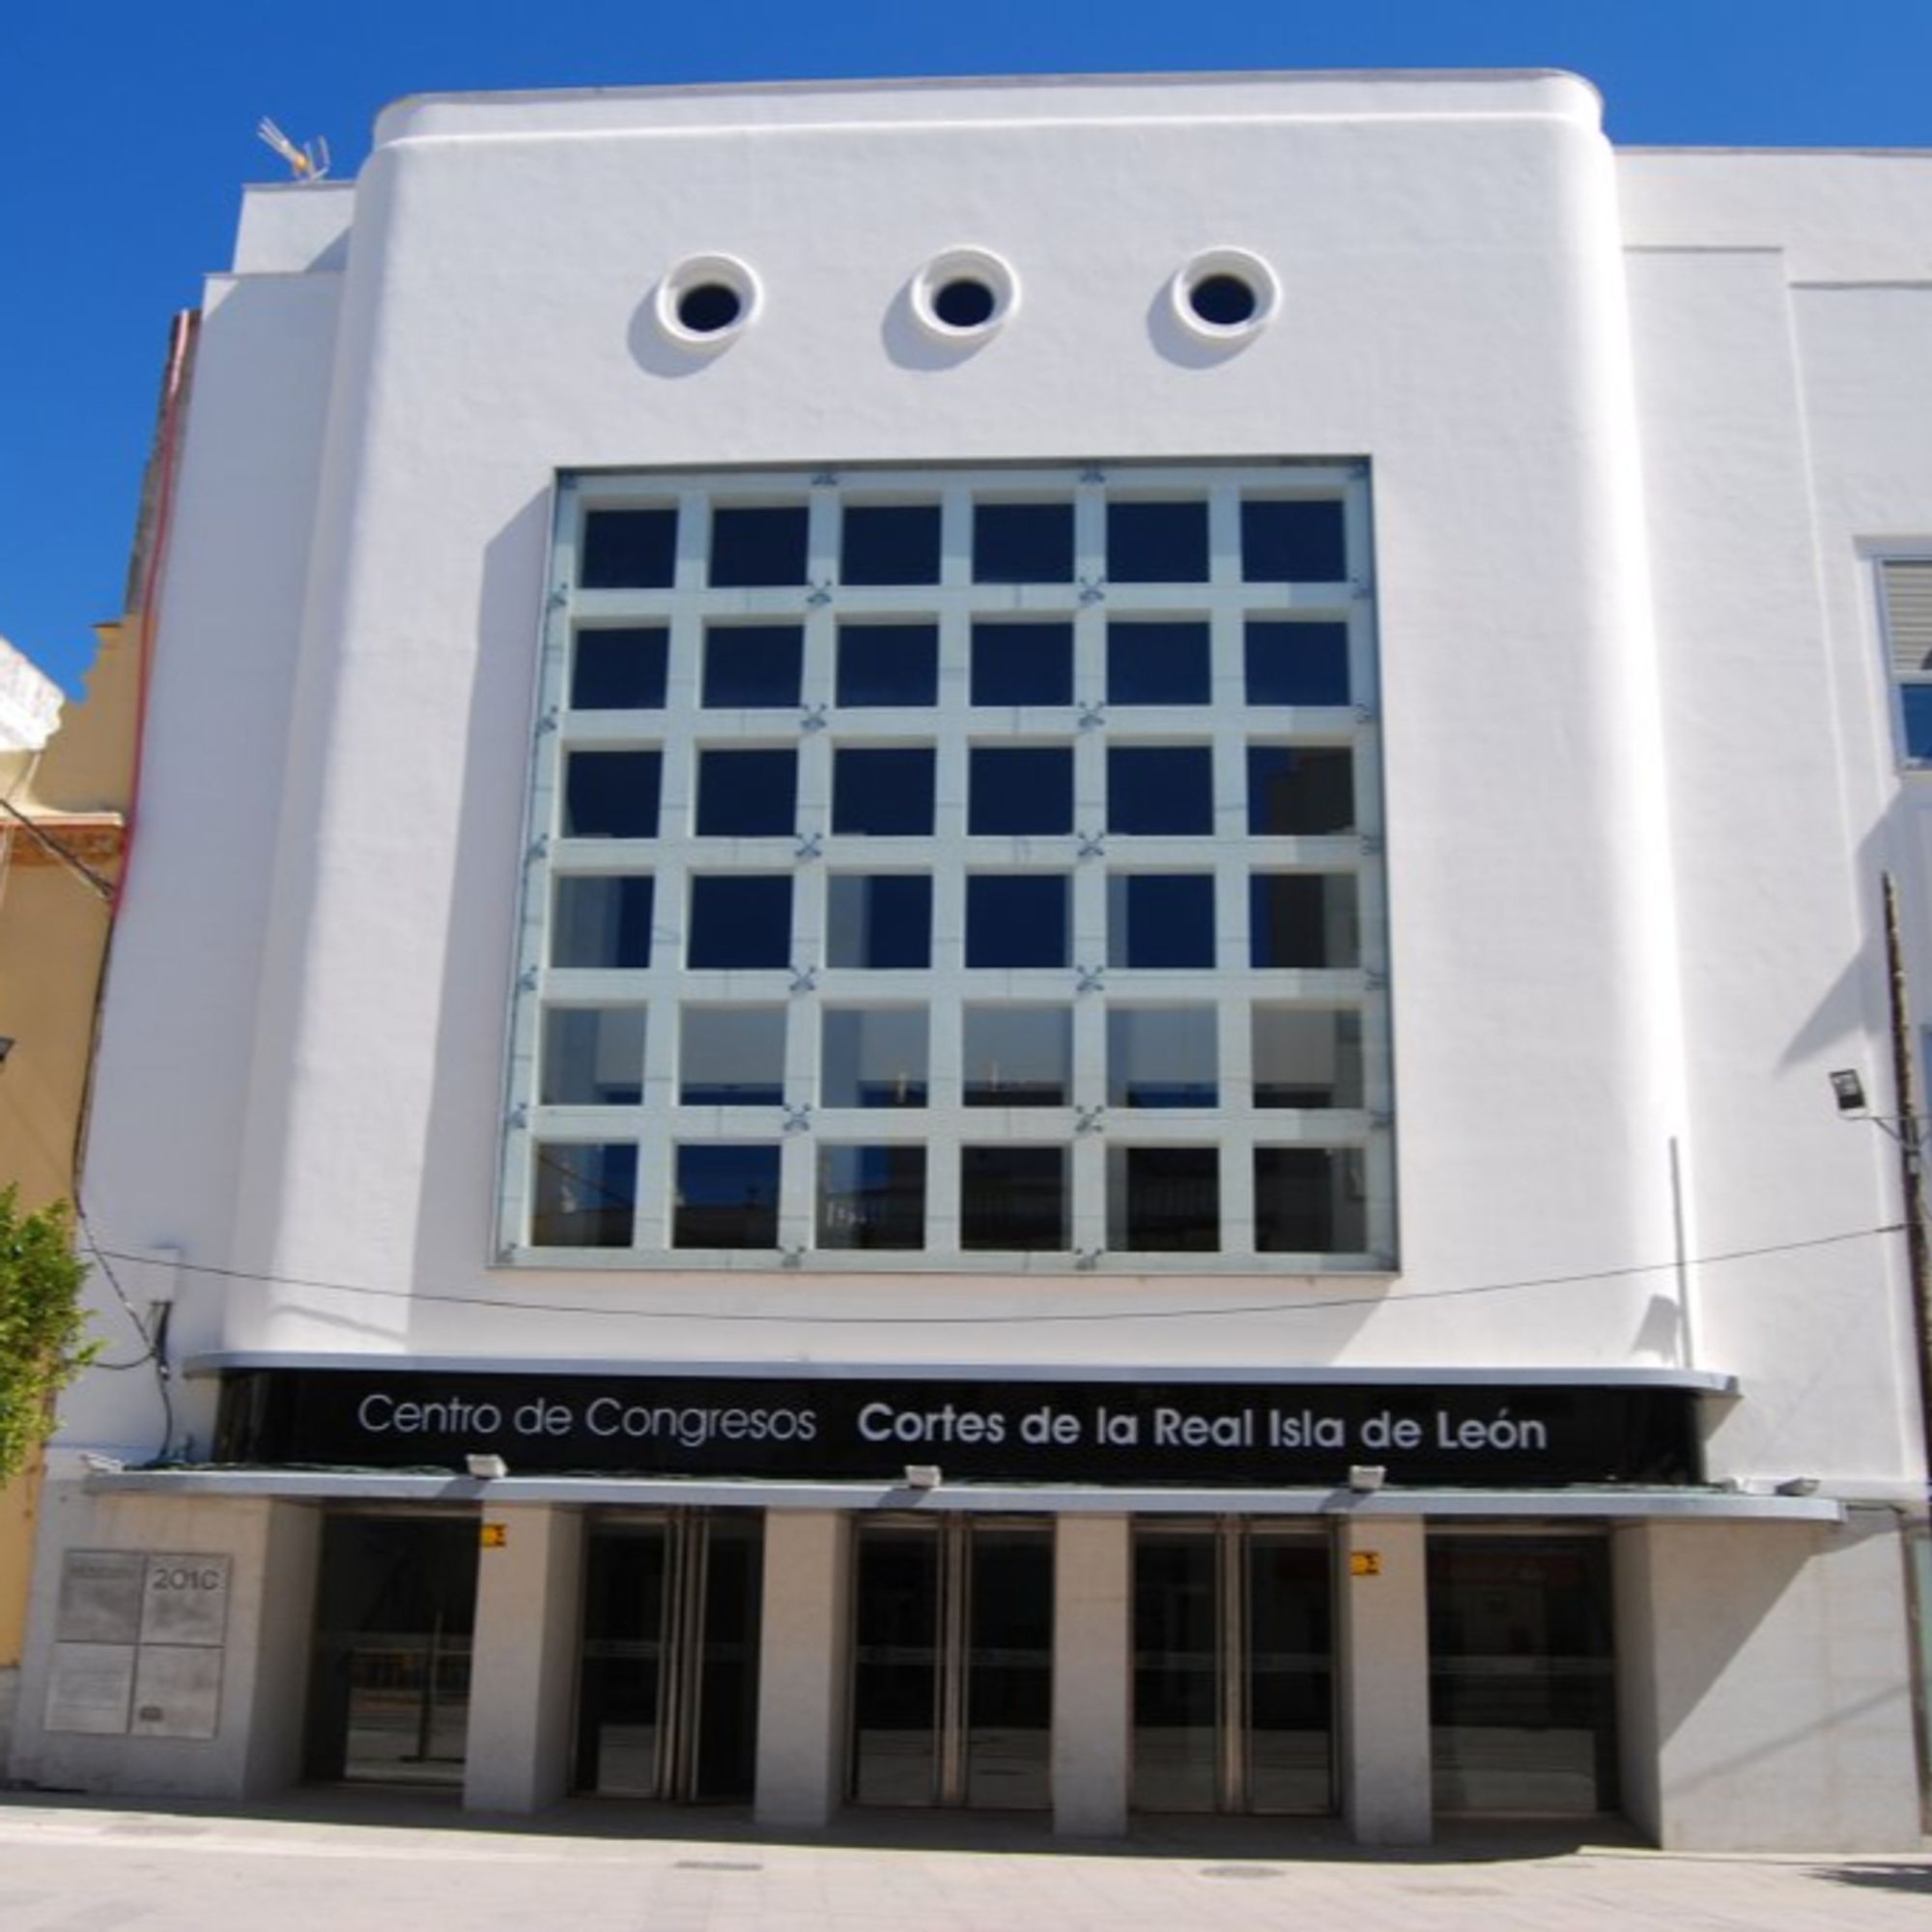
(1207, 1434)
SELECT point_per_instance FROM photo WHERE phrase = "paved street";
(331, 1862)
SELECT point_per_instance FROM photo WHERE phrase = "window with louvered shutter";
(1905, 584)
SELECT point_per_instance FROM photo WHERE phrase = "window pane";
(871, 1197)
(739, 922)
(1018, 1055)
(1156, 543)
(753, 666)
(888, 664)
(628, 550)
(1309, 1201)
(612, 794)
(1307, 1057)
(586, 1196)
(1016, 919)
(602, 921)
(621, 669)
(1302, 918)
(882, 791)
(1020, 788)
(1297, 663)
(1160, 919)
(878, 919)
(1916, 699)
(1289, 540)
(1022, 543)
(1012, 1198)
(1157, 663)
(1299, 791)
(1161, 1057)
(1164, 1199)
(1023, 664)
(874, 1057)
(727, 1197)
(754, 546)
(731, 1057)
(1160, 788)
(593, 1057)
(890, 543)
(747, 794)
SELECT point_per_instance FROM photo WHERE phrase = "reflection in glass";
(1292, 540)
(874, 1057)
(890, 543)
(1023, 663)
(753, 666)
(1290, 663)
(1291, 1693)
(1157, 663)
(621, 669)
(602, 921)
(877, 920)
(727, 1197)
(882, 791)
(1016, 919)
(621, 1686)
(753, 545)
(1302, 918)
(871, 1197)
(1013, 1199)
(747, 794)
(1307, 1057)
(888, 665)
(612, 794)
(739, 919)
(1156, 543)
(1521, 1680)
(628, 550)
(586, 1193)
(1177, 1683)
(1020, 788)
(593, 1057)
(1022, 543)
(1160, 919)
(1164, 1199)
(1010, 1668)
(1299, 792)
(1162, 1057)
(731, 1057)
(1018, 1055)
(389, 1684)
(1310, 1201)
(1160, 788)
(896, 1667)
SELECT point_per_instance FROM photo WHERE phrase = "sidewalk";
(337, 1861)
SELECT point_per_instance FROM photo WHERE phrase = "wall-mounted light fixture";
(487, 1468)
(1848, 1089)
(1365, 1478)
(922, 1476)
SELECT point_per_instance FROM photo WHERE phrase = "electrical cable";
(1062, 1318)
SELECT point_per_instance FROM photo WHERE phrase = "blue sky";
(126, 136)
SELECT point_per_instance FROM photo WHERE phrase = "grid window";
(1162, 1057)
(620, 669)
(731, 1057)
(612, 794)
(882, 791)
(593, 1057)
(600, 921)
(984, 882)
(1164, 1199)
(884, 664)
(873, 1056)
(1018, 1055)
(1016, 919)
(1019, 789)
(1014, 1199)
(628, 550)
(1905, 592)
(727, 1196)
(1023, 663)
(753, 666)
(1022, 543)
(747, 794)
(586, 1194)
(879, 920)
(871, 1197)
(739, 921)
(1160, 919)
(890, 543)
(1157, 663)
(1300, 792)
(1160, 788)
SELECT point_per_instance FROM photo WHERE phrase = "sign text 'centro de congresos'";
(861, 1426)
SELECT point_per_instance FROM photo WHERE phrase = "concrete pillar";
(284, 1651)
(1093, 1674)
(802, 1666)
(522, 1659)
(1382, 1660)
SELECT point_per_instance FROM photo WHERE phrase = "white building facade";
(982, 954)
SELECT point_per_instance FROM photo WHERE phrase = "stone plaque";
(91, 1687)
(184, 1599)
(100, 1595)
(177, 1691)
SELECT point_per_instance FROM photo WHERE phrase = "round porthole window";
(965, 294)
(1226, 293)
(704, 302)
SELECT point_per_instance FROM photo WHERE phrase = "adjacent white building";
(983, 950)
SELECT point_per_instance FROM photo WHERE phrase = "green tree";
(41, 1324)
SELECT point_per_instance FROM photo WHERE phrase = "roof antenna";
(307, 163)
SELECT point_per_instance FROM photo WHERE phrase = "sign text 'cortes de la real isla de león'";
(847, 1427)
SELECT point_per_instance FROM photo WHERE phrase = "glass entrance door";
(1232, 1669)
(667, 1687)
(389, 1684)
(1522, 1675)
(953, 1664)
